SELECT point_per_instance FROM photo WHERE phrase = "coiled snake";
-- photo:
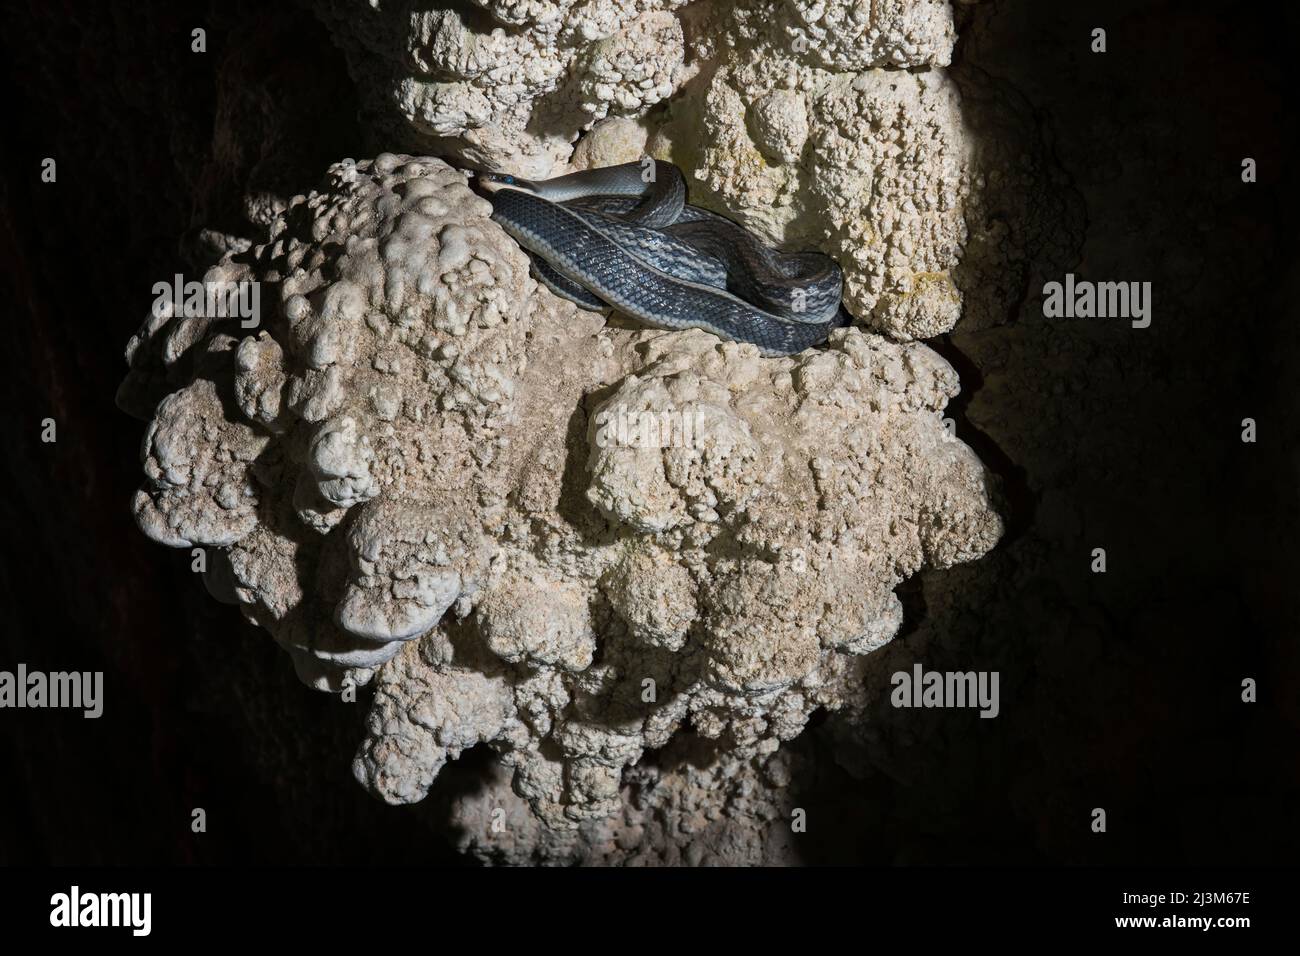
(624, 237)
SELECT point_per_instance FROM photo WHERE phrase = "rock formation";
(580, 542)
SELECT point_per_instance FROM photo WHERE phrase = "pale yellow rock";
(567, 540)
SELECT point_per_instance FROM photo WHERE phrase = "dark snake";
(624, 237)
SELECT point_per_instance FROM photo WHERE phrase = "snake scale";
(624, 237)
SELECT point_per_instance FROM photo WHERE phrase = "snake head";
(495, 181)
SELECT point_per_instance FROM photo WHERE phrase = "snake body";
(624, 237)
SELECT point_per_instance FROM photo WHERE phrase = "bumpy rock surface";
(631, 563)
(800, 123)
(567, 540)
(693, 806)
(508, 83)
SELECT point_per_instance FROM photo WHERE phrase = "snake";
(624, 238)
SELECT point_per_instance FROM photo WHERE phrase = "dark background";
(1120, 691)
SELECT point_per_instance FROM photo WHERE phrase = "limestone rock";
(570, 541)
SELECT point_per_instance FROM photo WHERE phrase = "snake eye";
(508, 180)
